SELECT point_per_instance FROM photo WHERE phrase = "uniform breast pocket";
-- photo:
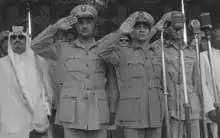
(73, 63)
(135, 69)
(67, 109)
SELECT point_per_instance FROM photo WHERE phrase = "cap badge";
(83, 8)
(141, 15)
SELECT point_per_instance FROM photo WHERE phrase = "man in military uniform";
(175, 87)
(83, 107)
(141, 104)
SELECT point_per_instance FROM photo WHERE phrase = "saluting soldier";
(141, 104)
(83, 107)
(175, 87)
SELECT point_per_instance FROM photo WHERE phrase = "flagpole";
(29, 24)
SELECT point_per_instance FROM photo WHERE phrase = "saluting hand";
(66, 22)
(127, 25)
(166, 17)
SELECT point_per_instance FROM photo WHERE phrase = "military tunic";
(83, 100)
(141, 102)
(175, 87)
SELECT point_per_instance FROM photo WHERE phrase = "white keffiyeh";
(30, 80)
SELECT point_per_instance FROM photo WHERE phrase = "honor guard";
(175, 87)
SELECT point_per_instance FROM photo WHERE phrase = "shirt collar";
(141, 46)
(79, 44)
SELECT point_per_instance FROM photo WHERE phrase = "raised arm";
(159, 25)
(109, 49)
(45, 45)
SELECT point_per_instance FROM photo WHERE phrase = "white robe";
(206, 78)
(207, 84)
(15, 118)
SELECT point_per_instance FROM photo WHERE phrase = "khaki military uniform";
(175, 89)
(84, 93)
(141, 105)
(87, 85)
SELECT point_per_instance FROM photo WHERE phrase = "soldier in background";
(175, 87)
(86, 83)
(125, 40)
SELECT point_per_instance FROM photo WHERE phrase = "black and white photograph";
(109, 69)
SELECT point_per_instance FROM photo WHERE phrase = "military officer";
(83, 107)
(175, 87)
(141, 104)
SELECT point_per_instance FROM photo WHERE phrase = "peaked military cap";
(141, 16)
(84, 11)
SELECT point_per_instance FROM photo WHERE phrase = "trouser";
(213, 129)
(76, 133)
(143, 132)
(178, 128)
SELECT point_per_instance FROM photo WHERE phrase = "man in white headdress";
(24, 89)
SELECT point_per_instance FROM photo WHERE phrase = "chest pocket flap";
(135, 66)
(74, 63)
(136, 58)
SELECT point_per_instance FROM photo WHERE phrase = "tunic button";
(87, 76)
(87, 53)
(87, 65)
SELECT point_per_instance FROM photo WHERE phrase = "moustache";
(17, 42)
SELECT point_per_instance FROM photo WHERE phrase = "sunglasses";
(123, 40)
(20, 37)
